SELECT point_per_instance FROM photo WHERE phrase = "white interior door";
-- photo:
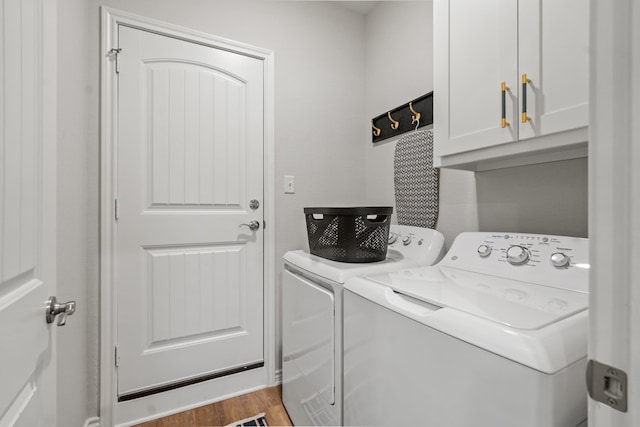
(189, 275)
(27, 212)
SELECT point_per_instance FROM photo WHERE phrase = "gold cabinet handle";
(504, 88)
(525, 80)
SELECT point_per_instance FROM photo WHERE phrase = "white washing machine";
(312, 320)
(495, 335)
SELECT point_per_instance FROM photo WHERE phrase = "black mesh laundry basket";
(357, 234)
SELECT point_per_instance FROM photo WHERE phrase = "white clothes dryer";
(495, 335)
(312, 320)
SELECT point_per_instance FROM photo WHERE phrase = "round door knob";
(392, 238)
(253, 225)
(484, 251)
(407, 239)
(517, 255)
(560, 260)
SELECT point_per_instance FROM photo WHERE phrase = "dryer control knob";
(484, 251)
(407, 239)
(560, 260)
(517, 255)
(392, 238)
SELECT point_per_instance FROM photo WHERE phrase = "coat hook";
(394, 123)
(416, 116)
(376, 131)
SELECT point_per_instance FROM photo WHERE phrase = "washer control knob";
(407, 239)
(392, 238)
(517, 255)
(484, 251)
(560, 260)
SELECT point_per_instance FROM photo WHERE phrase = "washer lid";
(340, 272)
(516, 304)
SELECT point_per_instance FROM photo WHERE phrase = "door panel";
(189, 160)
(556, 60)
(24, 343)
(478, 51)
(20, 124)
(186, 294)
(197, 141)
(27, 214)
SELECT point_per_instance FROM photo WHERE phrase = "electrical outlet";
(289, 184)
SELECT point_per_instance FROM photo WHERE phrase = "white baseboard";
(92, 422)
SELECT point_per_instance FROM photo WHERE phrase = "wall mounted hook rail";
(405, 118)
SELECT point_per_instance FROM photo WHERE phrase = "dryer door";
(308, 340)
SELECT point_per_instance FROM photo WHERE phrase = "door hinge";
(607, 385)
(115, 209)
(116, 356)
(264, 224)
(115, 52)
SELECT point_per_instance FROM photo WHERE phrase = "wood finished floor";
(268, 400)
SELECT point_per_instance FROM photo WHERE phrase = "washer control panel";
(543, 259)
(424, 245)
(406, 239)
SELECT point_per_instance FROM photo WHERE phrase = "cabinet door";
(553, 53)
(475, 50)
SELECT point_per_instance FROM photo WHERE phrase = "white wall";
(319, 64)
(399, 68)
(77, 215)
(549, 198)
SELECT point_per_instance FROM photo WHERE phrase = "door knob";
(253, 225)
(64, 309)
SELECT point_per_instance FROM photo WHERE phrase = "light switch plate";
(289, 184)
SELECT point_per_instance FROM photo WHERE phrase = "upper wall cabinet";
(510, 82)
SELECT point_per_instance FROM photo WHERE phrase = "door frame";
(112, 412)
(614, 202)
